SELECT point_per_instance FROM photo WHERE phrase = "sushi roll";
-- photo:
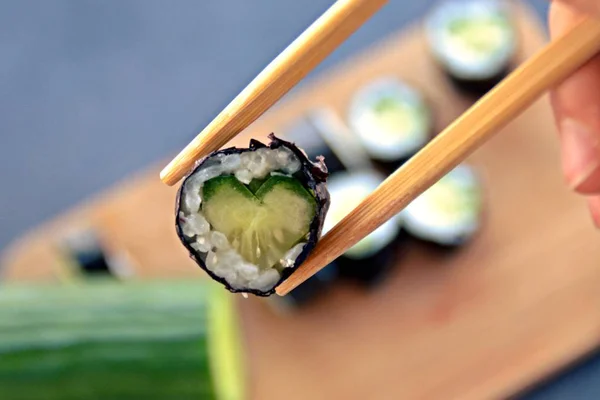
(448, 214)
(303, 130)
(391, 120)
(310, 290)
(337, 137)
(368, 261)
(250, 216)
(87, 253)
(87, 256)
(323, 133)
(474, 41)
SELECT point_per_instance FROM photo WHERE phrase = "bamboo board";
(520, 302)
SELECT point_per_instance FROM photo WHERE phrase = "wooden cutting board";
(519, 303)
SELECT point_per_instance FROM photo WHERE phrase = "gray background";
(91, 91)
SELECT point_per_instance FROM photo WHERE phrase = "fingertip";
(580, 146)
(594, 206)
(561, 18)
(587, 184)
(576, 106)
(557, 110)
(586, 6)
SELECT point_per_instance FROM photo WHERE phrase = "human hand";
(576, 105)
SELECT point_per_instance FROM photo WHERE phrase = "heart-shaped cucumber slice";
(262, 226)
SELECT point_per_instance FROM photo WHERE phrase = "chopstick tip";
(167, 177)
(288, 285)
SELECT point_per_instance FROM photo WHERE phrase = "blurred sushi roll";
(312, 289)
(392, 121)
(323, 133)
(474, 41)
(87, 254)
(449, 213)
(303, 130)
(339, 139)
(369, 261)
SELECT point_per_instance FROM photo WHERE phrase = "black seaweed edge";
(476, 88)
(312, 175)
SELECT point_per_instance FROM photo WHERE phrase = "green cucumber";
(482, 35)
(255, 184)
(264, 225)
(118, 340)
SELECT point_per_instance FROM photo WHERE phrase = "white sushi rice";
(462, 59)
(393, 135)
(450, 209)
(347, 190)
(221, 259)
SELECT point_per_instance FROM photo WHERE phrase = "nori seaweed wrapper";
(476, 88)
(312, 175)
(314, 287)
(369, 271)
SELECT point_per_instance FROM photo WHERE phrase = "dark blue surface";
(91, 91)
(579, 382)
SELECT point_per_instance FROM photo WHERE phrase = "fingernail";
(594, 204)
(581, 152)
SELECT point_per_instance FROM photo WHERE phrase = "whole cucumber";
(119, 340)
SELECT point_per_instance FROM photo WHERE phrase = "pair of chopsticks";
(548, 67)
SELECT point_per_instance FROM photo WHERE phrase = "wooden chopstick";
(513, 95)
(342, 19)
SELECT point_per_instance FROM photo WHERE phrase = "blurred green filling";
(483, 35)
(400, 115)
